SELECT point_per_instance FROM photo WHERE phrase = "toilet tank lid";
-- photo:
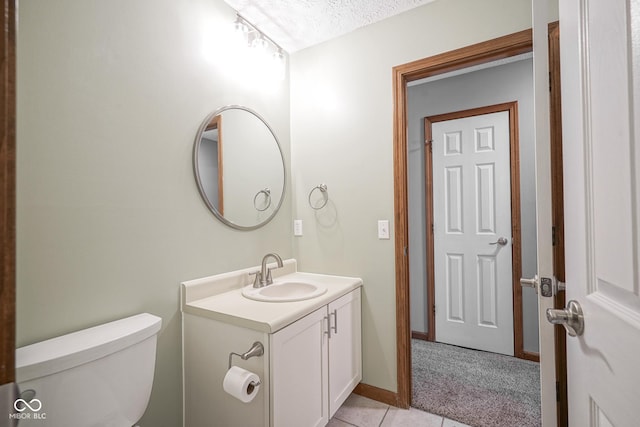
(74, 349)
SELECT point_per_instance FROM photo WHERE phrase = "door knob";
(571, 318)
(501, 241)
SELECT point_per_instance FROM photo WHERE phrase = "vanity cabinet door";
(345, 348)
(299, 373)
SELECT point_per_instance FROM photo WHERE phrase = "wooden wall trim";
(557, 196)
(516, 234)
(557, 203)
(431, 267)
(502, 47)
(490, 50)
(401, 224)
(8, 191)
(378, 394)
(417, 335)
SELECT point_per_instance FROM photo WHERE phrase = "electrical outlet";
(383, 229)
(297, 227)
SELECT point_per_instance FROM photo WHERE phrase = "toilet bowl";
(101, 376)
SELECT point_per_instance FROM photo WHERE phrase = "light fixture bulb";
(278, 56)
(260, 43)
(241, 27)
(256, 56)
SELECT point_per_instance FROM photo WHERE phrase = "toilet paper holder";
(257, 349)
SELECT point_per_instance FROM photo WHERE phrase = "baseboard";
(528, 355)
(420, 335)
(376, 393)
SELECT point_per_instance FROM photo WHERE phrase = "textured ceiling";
(297, 24)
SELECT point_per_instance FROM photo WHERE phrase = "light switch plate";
(383, 229)
(297, 227)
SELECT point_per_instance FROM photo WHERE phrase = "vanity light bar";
(244, 26)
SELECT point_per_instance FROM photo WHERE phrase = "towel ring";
(323, 190)
(267, 195)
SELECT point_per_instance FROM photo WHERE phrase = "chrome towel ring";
(267, 196)
(323, 189)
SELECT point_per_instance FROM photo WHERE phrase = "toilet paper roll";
(241, 384)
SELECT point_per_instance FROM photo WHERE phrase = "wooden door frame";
(491, 50)
(499, 48)
(557, 205)
(8, 192)
(516, 245)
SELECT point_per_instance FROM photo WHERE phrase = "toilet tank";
(101, 376)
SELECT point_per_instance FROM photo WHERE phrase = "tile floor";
(360, 411)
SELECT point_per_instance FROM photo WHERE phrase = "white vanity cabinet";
(316, 363)
(312, 356)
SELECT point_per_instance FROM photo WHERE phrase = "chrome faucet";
(263, 277)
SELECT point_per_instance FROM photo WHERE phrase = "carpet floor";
(474, 387)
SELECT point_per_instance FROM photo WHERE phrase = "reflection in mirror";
(210, 163)
(242, 184)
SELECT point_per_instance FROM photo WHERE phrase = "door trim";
(516, 246)
(8, 192)
(491, 50)
(557, 203)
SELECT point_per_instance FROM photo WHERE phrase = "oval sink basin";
(284, 291)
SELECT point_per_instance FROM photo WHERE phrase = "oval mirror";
(239, 167)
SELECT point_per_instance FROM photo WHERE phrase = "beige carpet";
(474, 387)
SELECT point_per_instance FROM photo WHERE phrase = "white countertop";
(232, 307)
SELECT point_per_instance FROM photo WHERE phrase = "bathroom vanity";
(312, 346)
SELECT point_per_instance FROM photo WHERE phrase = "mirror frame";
(196, 149)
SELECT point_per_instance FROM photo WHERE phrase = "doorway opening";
(473, 225)
(492, 50)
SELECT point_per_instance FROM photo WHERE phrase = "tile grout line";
(385, 416)
(346, 422)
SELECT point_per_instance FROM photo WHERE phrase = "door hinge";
(429, 144)
(557, 391)
(550, 80)
(432, 228)
(553, 236)
(434, 309)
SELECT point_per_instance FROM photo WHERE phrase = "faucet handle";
(256, 281)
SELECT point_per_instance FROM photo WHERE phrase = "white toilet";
(100, 376)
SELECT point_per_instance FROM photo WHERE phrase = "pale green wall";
(341, 128)
(110, 96)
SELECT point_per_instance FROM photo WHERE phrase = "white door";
(472, 232)
(600, 50)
